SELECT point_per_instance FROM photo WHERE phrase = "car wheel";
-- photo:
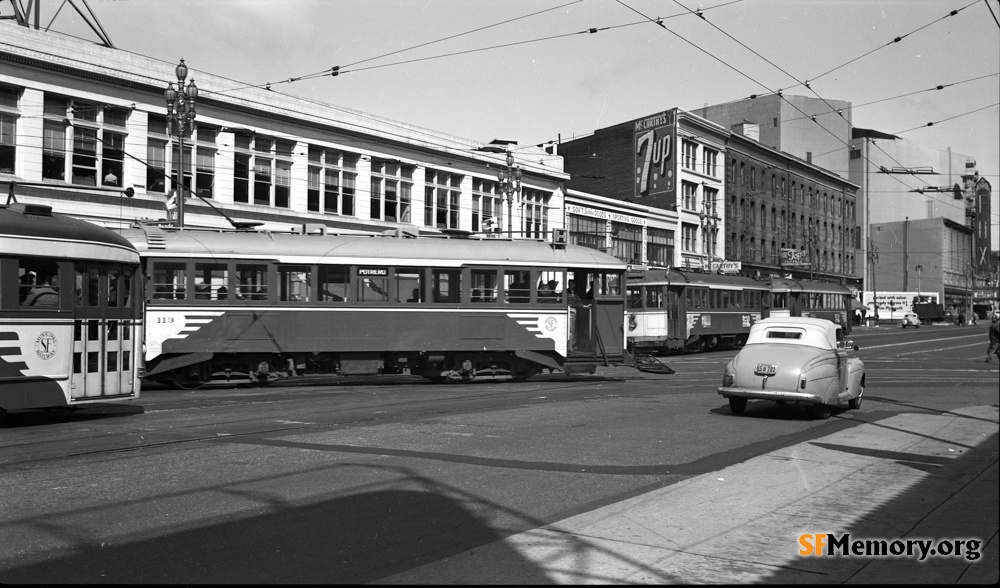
(855, 403)
(737, 405)
(822, 411)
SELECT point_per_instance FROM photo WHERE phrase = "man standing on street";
(994, 339)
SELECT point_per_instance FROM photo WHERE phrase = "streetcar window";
(634, 298)
(550, 287)
(334, 283)
(409, 284)
(447, 285)
(373, 289)
(484, 286)
(114, 294)
(169, 280)
(612, 284)
(212, 279)
(294, 283)
(87, 284)
(252, 280)
(654, 297)
(779, 300)
(518, 286)
(38, 283)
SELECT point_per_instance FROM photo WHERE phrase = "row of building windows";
(709, 158)
(751, 249)
(83, 143)
(740, 175)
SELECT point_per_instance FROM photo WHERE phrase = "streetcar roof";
(33, 229)
(787, 285)
(673, 277)
(363, 249)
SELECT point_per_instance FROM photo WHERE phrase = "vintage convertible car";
(795, 359)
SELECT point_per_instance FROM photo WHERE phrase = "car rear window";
(783, 335)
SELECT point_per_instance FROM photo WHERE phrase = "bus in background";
(70, 311)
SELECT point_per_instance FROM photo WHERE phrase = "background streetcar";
(810, 298)
(673, 310)
(70, 329)
(245, 306)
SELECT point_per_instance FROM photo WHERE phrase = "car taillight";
(727, 380)
(802, 383)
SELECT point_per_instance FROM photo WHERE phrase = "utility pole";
(872, 258)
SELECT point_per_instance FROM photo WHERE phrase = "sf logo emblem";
(46, 345)
(551, 323)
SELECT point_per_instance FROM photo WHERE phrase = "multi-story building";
(811, 129)
(787, 216)
(82, 124)
(898, 178)
(925, 256)
(736, 200)
(670, 167)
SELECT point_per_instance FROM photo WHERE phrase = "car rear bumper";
(770, 395)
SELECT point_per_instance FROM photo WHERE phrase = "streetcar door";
(105, 331)
(673, 308)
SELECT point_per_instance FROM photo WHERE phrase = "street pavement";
(910, 476)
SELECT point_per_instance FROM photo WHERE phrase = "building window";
(712, 202)
(689, 191)
(588, 231)
(204, 171)
(660, 247)
(442, 195)
(391, 189)
(96, 153)
(9, 114)
(271, 162)
(535, 207)
(331, 181)
(711, 161)
(487, 214)
(626, 242)
(690, 155)
(689, 238)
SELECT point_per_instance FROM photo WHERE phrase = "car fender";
(855, 375)
(823, 380)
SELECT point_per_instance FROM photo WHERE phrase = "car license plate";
(765, 370)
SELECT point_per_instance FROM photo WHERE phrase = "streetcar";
(811, 298)
(671, 310)
(246, 306)
(70, 326)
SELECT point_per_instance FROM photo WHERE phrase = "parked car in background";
(795, 359)
(911, 319)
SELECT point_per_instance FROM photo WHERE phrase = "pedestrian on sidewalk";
(994, 348)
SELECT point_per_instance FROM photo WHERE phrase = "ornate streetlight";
(510, 185)
(180, 123)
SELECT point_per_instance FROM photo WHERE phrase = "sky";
(531, 71)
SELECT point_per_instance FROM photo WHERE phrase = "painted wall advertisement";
(893, 304)
(655, 159)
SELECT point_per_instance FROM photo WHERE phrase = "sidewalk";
(911, 476)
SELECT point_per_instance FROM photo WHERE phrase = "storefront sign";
(604, 214)
(727, 267)
(793, 257)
